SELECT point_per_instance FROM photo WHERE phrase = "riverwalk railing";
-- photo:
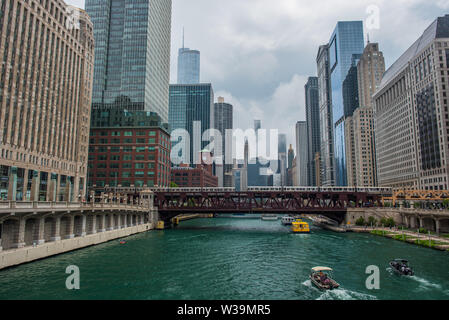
(49, 205)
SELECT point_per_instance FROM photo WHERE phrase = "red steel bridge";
(331, 202)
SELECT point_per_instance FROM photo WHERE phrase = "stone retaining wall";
(18, 256)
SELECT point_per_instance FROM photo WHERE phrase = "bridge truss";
(173, 203)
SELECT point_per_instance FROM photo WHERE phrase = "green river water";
(228, 259)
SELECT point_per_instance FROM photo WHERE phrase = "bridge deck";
(262, 202)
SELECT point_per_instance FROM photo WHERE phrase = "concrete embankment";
(184, 217)
(15, 257)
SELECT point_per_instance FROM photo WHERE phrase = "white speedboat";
(269, 217)
(321, 277)
(288, 220)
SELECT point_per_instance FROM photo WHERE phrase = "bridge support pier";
(437, 226)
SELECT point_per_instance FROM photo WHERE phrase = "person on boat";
(324, 279)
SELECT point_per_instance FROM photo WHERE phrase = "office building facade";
(411, 115)
(223, 120)
(346, 40)
(313, 127)
(192, 109)
(188, 66)
(282, 159)
(302, 151)
(132, 54)
(364, 158)
(258, 173)
(370, 69)
(47, 52)
(132, 156)
(326, 124)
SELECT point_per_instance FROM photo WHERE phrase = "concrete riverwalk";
(432, 240)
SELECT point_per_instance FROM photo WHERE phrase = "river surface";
(227, 258)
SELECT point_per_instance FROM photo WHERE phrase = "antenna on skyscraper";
(183, 37)
(368, 37)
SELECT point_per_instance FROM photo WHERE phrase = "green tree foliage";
(360, 222)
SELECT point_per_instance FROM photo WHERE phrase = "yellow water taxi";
(300, 226)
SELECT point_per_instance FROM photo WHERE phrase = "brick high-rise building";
(134, 155)
(46, 70)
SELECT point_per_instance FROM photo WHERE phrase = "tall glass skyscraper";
(313, 127)
(191, 103)
(188, 66)
(223, 120)
(132, 54)
(346, 40)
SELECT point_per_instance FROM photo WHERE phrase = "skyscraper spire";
(183, 38)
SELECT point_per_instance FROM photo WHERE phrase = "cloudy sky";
(259, 53)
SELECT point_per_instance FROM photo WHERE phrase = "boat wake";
(343, 294)
(309, 285)
(425, 283)
(339, 294)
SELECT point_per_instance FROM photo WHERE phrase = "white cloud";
(260, 52)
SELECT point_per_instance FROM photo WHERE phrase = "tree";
(360, 222)
(372, 221)
(389, 223)
(446, 203)
(173, 185)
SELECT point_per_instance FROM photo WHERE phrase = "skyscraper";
(291, 156)
(190, 105)
(313, 127)
(346, 40)
(223, 120)
(188, 66)
(291, 160)
(302, 151)
(326, 123)
(351, 89)
(411, 115)
(282, 156)
(370, 70)
(350, 103)
(132, 54)
(45, 100)
(257, 173)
